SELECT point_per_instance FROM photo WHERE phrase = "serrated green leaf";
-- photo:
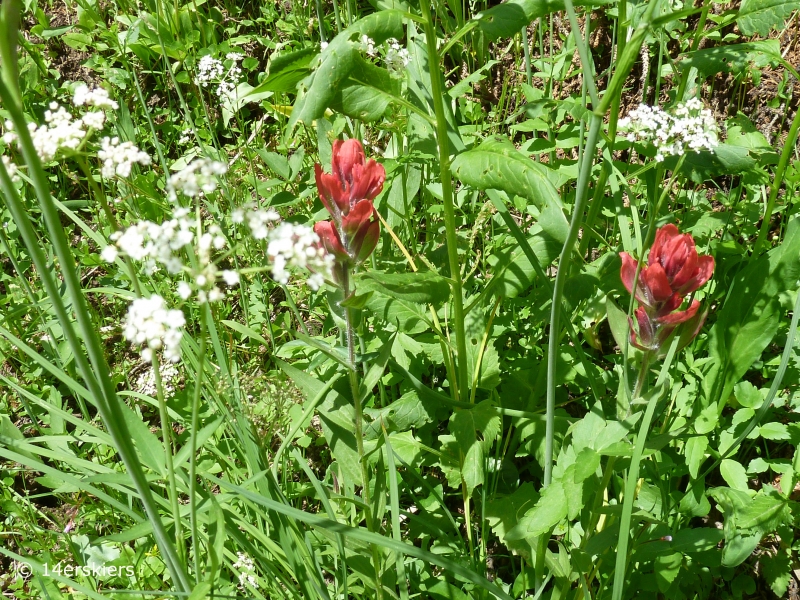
(734, 474)
(760, 16)
(735, 58)
(546, 514)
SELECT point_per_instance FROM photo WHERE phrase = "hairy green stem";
(447, 198)
(581, 192)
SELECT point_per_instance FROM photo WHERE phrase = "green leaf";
(504, 512)
(546, 514)
(734, 474)
(748, 395)
(285, 71)
(695, 453)
(760, 16)
(736, 58)
(777, 572)
(726, 159)
(666, 569)
(505, 20)
(774, 431)
(336, 63)
(422, 287)
(497, 164)
(474, 430)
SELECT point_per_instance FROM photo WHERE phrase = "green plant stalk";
(777, 181)
(198, 386)
(581, 192)
(166, 438)
(358, 408)
(101, 387)
(447, 199)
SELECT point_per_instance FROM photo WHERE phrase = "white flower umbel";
(60, 131)
(208, 69)
(119, 157)
(291, 245)
(690, 126)
(154, 244)
(93, 97)
(212, 70)
(11, 168)
(149, 323)
(197, 178)
(258, 220)
(94, 119)
(244, 564)
(146, 382)
(397, 58)
(367, 45)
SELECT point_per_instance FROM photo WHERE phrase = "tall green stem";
(359, 426)
(198, 385)
(447, 199)
(166, 435)
(581, 192)
(777, 181)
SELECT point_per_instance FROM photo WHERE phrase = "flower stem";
(166, 434)
(447, 199)
(201, 355)
(359, 426)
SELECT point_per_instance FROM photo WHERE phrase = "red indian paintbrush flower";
(347, 193)
(673, 271)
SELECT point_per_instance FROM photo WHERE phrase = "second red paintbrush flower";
(347, 193)
(673, 271)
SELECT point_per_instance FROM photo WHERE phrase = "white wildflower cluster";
(162, 245)
(367, 45)
(151, 324)
(197, 178)
(212, 70)
(146, 382)
(119, 157)
(153, 244)
(244, 564)
(11, 168)
(397, 58)
(690, 126)
(292, 245)
(97, 97)
(61, 130)
(258, 220)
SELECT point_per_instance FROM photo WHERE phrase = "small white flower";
(291, 245)
(184, 290)
(95, 97)
(109, 253)
(197, 178)
(11, 168)
(246, 569)
(367, 45)
(397, 58)
(323, 45)
(257, 220)
(208, 69)
(151, 324)
(231, 278)
(94, 119)
(118, 157)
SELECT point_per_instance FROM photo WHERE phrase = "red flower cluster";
(352, 234)
(674, 270)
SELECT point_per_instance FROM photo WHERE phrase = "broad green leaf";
(666, 569)
(749, 318)
(337, 61)
(422, 287)
(505, 20)
(734, 474)
(764, 513)
(774, 431)
(489, 375)
(736, 58)
(367, 92)
(497, 164)
(474, 430)
(410, 411)
(285, 71)
(777, 571)
(503, 513)
(546, 514)
(737, 549)
(726, 159)
(747, 394)
(760, 16)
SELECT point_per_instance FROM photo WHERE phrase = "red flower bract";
(673, 271)
(347, 193)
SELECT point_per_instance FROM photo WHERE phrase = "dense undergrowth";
(399, 299)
